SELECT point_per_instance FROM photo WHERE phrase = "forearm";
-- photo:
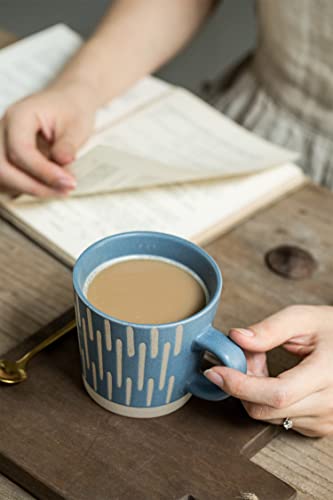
(134, 39)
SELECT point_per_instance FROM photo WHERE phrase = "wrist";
(78, 91)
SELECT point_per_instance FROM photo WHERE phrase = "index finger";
(278, 392)
(22, 151)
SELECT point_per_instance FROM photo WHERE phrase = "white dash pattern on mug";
(100, 355)
(85, 342)
(141, 365)
(171, 383)
(179, 340)
(77, 310)
(107, 333)
(130, 341)
(94, 375)
(109, 384)
(150, 390)
(83, 362)
(164, 365)
(154, 334)
(90, 325)
(128, 390)
(119, 357)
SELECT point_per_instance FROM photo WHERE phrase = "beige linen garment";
(285, 91)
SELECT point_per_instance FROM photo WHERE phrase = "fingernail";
(66, 183)
(67, 157)
(243, 331)
(214, 377)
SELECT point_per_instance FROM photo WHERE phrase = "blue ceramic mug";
(141, 370)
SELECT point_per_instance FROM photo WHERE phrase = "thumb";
(290, 323)
(65, 146)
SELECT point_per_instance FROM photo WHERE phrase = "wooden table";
(303, 218)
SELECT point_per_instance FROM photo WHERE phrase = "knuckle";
(47, 175)
(236, 387)
(34, 190)
(18, 148)
(39, 191)
(12, 154)
(280, 398)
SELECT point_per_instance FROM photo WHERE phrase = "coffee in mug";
(146, 289)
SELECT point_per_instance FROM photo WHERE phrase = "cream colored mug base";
(131, 411)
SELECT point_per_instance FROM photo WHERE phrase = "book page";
(168, 136)
(105, 169)
(136, 97)
(69, 226)
(176, 139)
(30, 64)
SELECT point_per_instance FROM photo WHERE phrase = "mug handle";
(226, 351)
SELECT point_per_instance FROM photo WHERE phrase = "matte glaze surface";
(135, 367)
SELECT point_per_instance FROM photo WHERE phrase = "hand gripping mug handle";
(226, 351)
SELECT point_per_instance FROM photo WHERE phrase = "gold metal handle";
(45, 343)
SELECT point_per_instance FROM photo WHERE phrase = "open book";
(160, 159)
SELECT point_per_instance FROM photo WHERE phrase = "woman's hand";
(303, 393)
(59, 118)
(105, 67)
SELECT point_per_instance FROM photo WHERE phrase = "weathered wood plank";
(11, 491)
(306, 464)
(172, 456)
(35, 288)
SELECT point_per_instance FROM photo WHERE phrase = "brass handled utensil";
(13, 372)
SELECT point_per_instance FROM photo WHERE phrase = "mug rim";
(79, 291)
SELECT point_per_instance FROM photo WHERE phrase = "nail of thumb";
(214, 377)
(243, 331)
(63, 152)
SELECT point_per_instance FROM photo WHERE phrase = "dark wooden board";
(57, 443)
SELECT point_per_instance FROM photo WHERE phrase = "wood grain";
(11, 491)
(251, 292)
(35, 288)
(307, 464)
(79, 451)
